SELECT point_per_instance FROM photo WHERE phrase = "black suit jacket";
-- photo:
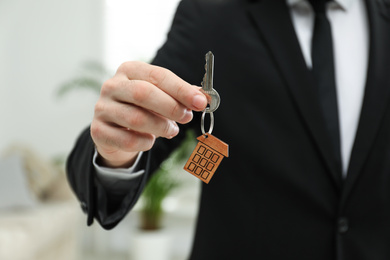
(280, 194)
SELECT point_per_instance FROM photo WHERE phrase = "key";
(212, 95)
(210, 151)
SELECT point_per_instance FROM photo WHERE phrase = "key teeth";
(205, 71)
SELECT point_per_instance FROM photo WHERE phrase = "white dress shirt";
(349, 25)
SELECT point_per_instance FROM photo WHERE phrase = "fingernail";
(174, 130)
(187, 116)
(199, 101)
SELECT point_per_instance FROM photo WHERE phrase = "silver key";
(212, 95)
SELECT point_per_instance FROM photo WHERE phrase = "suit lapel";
(377, 91)
(272, 19)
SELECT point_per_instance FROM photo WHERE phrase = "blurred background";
(53, 57)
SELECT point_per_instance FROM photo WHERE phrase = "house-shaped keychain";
(206, 157)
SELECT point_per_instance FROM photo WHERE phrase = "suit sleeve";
(182, 53)
(106, 206)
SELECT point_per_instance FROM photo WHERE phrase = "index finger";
(185, 93)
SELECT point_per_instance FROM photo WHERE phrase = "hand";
(140, 103)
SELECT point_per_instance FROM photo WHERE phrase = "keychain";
(210, 151)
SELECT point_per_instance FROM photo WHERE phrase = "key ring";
(211, 122)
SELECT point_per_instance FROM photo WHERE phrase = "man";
(301, 182)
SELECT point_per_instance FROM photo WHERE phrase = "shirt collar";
(343, 4)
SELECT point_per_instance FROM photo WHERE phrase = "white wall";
(135, 29)
(42, 43)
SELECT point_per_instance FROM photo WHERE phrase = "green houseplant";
(90, 76)
(162, 183)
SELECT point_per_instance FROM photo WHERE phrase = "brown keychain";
(210, 151)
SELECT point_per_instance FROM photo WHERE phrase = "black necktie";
(324, 72)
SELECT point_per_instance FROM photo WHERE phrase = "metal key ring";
(211, 122)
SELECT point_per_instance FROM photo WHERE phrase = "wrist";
(113, 161)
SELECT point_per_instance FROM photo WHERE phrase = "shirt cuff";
(107, 174)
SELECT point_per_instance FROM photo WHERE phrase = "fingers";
(186, 94)
(137, 119)
(146, 95)
(113, 140)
